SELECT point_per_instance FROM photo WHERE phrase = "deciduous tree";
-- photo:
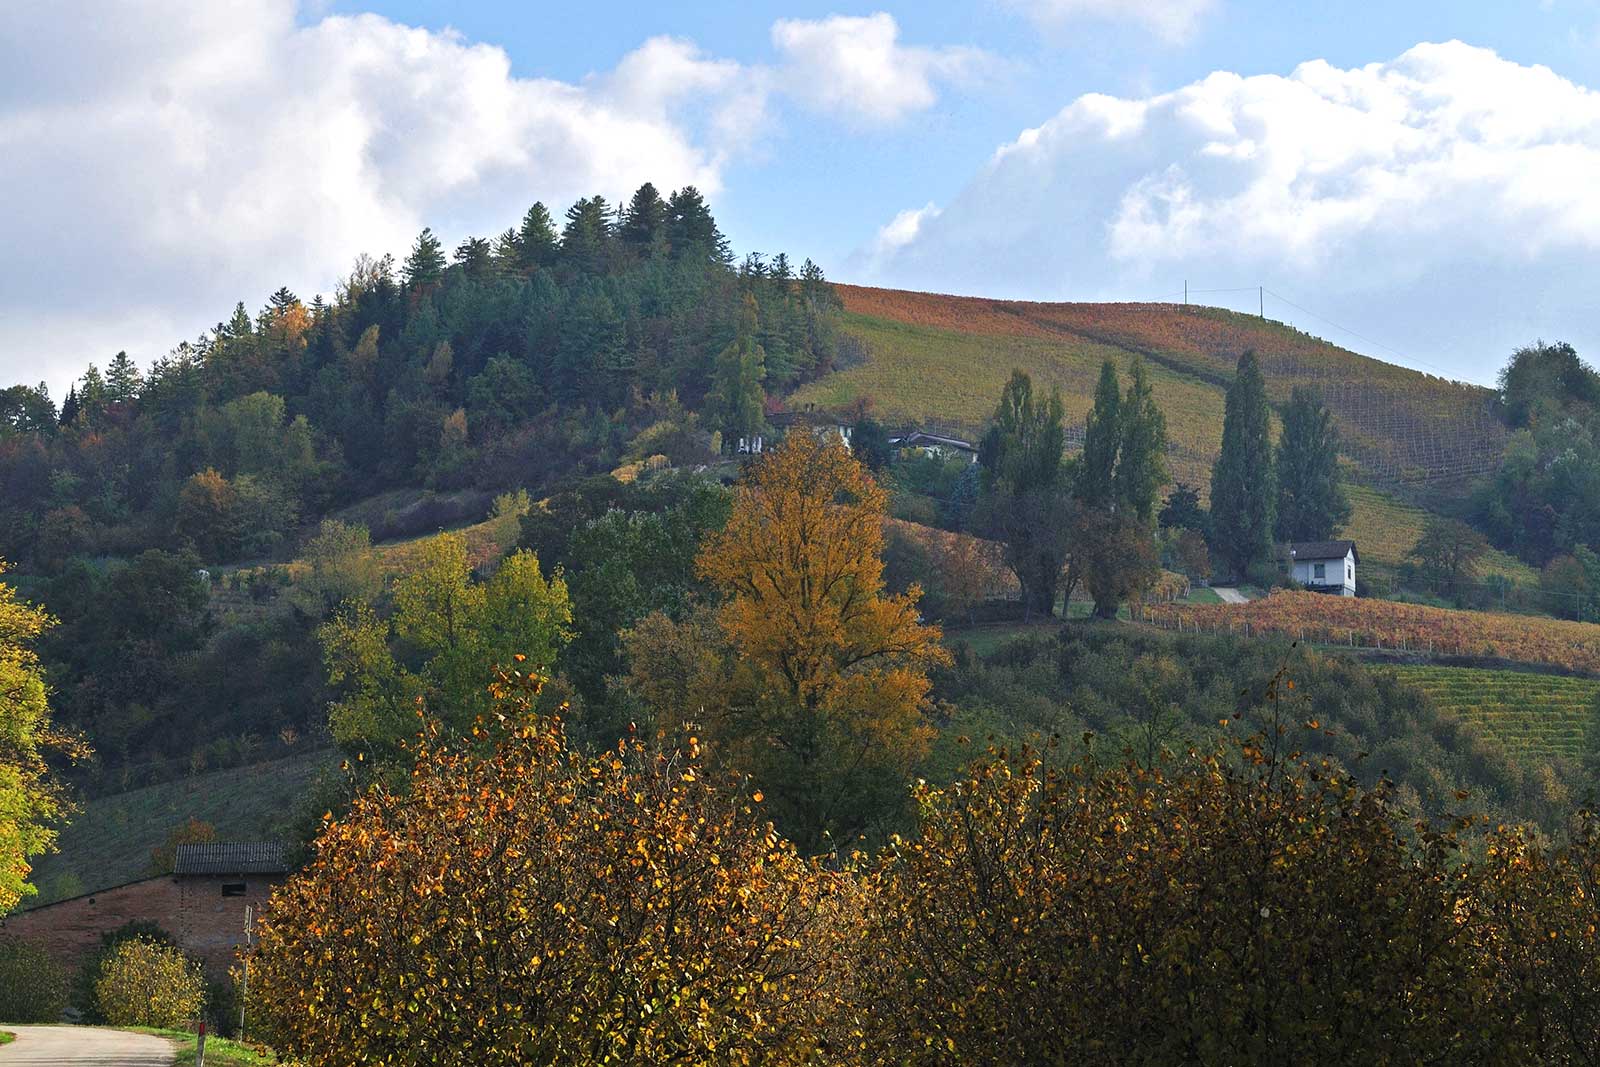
(1311, 503)
(1243, 480)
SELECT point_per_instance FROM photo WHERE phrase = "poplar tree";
(1243, 481)
(1101, 439)
(1311, 502)
(1141, 459)
(1027, 494)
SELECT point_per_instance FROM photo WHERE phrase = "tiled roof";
(1320, 550)
(230, 858)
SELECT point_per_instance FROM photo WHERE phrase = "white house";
(1323, 566)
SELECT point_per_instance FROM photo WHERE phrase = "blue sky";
(1420, 173)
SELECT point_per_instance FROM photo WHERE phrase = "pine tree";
(425, 265)
(536, 240)
(1243, 481)
(586, 238)
(1101, 438)
(1311, 502)
(123, 380)
(737, 396)
(691, 231)
(1141, 458)
(644, 222)
(282, 300)
(70, 406)
(92, 394)
(475, 255)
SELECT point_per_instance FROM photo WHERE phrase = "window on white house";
(1319, 570)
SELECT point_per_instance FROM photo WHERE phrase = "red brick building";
(202, 904)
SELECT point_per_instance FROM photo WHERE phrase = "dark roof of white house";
(1320, 550)
(231, 858)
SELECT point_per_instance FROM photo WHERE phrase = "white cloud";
(1445, 197)
(1173, 20)
(856, 67)
(164, 160)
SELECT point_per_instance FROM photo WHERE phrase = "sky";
(1415, 180)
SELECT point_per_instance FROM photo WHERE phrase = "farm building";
(935, 444)
(1322, 566)
(202, 904)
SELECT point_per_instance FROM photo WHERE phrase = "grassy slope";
(109, 842)
(943, 360)
(1533, 716)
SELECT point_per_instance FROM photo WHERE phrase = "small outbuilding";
(1322, 566)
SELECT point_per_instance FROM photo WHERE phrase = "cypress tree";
(736, 395)
(1311, 502)
(1243, 481)
(1101, 439)
(1141, 461)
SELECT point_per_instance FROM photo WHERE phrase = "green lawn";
(109, 842)
(219, 1051)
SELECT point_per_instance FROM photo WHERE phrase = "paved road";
(58, 1046)
(1230, 596)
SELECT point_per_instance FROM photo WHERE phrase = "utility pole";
(244, 981)
(1186, 292)
(1261, 301)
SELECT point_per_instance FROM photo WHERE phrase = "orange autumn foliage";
(540, 905)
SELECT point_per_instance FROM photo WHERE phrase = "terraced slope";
(1533, 716)
(943, 358)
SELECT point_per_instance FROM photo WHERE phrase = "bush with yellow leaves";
(538, 905)
(145, 983)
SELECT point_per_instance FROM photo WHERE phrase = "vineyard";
(1385, 529)
(944, 358)
(1385, 624)
(1533, 716)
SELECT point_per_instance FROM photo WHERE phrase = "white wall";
(1335, 572)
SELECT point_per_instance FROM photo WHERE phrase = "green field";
(109, 842)
(1533, 716)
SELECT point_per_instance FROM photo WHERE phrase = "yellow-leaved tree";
(31, 800)
(809, 676)
(535, 904)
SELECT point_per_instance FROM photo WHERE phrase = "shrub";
(83, 994)
(146, 983)
(537, 905)
(1223, 909)
(33, 986)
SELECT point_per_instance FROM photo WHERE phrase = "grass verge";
(220, 1052)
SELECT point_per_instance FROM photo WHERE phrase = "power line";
(1360, 337)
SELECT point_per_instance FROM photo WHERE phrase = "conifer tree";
(123, 379)
(644, 221)
(1311, 502)
(425, 265)
(92, 393)
(475, 255)
(536, 239)
(1141, 458)
(587, 235)
(1243, 481)
(70, 406)
(1101, 439)
(737, 396)
(690, 228)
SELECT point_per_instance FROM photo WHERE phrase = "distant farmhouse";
(203, 904)
(1322, 566)
(939, 445)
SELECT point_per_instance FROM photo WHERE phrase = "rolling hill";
(942, 360)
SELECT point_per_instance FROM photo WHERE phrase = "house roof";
(914, 437)
(1320, 550)
(231, 858)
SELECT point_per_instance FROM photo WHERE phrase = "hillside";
(1534, 716)
(942, 360)
(108, 843)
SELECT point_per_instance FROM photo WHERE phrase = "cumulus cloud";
(857, 68)
(164, 160)
(1173, 20)
(1445, 197)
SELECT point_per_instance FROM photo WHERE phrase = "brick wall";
(208, 925)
